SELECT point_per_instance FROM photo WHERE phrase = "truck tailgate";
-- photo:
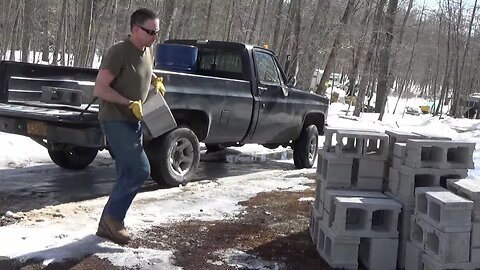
(49, 114)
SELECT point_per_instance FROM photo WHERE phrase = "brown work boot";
(113, 230)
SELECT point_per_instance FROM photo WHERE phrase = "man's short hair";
(141, 15)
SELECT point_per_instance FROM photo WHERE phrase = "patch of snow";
(242, 260)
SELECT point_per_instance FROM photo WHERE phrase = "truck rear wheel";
(174, 157)
(306, 148)
(73, 157)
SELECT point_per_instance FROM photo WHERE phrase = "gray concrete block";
(397, 136)
(443, 209)
(334, 171)
(400, 150)
(378, 253)
(337, 251)
(315, 219)
(475, 254)
(330, 195)
(371, 168)
(397, 162)
(446, 247)
(331, 136)
(403, 183)
(430, 263)
(414, 257)
(365, 145)
(366, 217)
(369, 183)
(439, 154)
(468, 189)
(475, 239)
(404, 224)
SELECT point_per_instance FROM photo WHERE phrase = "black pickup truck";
(234, 94)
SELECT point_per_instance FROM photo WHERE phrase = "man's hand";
(158, 84)
(136, 108)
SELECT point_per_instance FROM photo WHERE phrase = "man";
(122, 85)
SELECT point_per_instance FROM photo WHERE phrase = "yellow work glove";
(136, 108)
(158, 84)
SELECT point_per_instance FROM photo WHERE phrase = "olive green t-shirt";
(132, 69)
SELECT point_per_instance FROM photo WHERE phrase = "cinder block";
(334, 171)
(468, 189)
(337, 251)
(439, 154)
(400, 150)
(331, 136)
(445, 247)
(365, 145)
(414, 255)
(315, 219)
(475, 254)
(378, 253)
(430, 263)
(404, 224)
(371, 168)
(443, 209)
(403, 183)
(475, 240)
(331, 194)
(397, 136)
(397, 162)
(369, 183)
(366, 217)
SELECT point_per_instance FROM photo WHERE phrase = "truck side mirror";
(292, 81)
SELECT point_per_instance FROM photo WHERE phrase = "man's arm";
(103, 90)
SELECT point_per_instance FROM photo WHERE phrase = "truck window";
(220, 63)
(267, 70)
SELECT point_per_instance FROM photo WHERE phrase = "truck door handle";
(262, 88)
(264, 105)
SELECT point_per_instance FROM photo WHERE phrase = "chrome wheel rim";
(181, 156)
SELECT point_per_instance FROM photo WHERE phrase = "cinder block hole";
(321, 239)
(421, 203)
(364, 249)
(434, 211)
(458, 155)
(350, 145)
(433, 243)
(444, 178)
(424, 180)
(382, 220)
(417, 233)
(333, 142)
(431, 154)
(356, 219)
(324, 169)
(373, 147)
(328, 246)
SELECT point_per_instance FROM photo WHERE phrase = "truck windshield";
(219, 62)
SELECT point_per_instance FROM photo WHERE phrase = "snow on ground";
(66, 231)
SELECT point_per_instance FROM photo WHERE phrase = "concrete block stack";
(350, 212)
(376, 192)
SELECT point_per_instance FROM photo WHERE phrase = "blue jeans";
(131, 163)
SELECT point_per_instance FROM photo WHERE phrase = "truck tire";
(306, 148)
(73, 157)
(174, 157)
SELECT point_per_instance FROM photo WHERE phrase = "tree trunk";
(384, 58)
(27, 29)
(278, 19)
(170, 11)
(251, 33)
(362, 88)
(349, 9)
(312, 46)
(291, 69)
(60, 34)
(209, 18)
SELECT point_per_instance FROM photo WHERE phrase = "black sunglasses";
(148, 31)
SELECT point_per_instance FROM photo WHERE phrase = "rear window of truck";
(221, 63)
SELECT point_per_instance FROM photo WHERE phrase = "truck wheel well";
(317, 119)
(197, 121)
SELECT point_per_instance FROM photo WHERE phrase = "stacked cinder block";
(351, 217)
(421, 161)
